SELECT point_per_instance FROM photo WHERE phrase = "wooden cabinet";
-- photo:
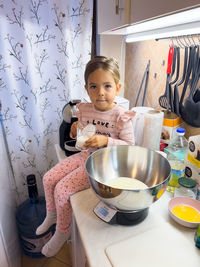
(112, 14)
(147, 9)
(117, 13)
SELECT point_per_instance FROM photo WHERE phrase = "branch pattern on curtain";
(44, 46)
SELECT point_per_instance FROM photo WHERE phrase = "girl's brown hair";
(101, 62)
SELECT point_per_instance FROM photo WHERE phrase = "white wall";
(107, 45)
(10, 254)
(114, 46)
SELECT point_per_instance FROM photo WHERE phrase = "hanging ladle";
(190, 109)
(188, 73)
(196, 96)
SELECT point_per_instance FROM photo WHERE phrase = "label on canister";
(35, 245)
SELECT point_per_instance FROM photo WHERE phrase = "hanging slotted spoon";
(164, 99)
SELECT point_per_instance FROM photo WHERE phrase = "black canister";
(66, 143)
(30, 215)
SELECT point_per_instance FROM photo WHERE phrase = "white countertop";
(97, 235)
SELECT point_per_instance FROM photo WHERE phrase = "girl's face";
(102, 89)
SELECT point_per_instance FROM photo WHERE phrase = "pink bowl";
(186, 201)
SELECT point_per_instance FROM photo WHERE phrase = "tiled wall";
(137, 56)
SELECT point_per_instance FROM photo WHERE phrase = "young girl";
(113, 127)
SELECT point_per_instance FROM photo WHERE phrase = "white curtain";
(44, 46)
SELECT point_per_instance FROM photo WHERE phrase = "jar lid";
(180, 130)
(187, 182)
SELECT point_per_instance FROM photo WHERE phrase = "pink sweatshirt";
(116, 123)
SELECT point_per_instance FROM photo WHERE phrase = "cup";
(83, 134)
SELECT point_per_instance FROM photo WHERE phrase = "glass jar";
(186, 187)
(177, 171)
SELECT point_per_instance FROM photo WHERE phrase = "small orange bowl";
(186, 201)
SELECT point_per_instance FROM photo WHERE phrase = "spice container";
(186, 187)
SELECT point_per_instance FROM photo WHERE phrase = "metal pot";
(134, 162)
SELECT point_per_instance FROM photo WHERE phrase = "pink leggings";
(62, 181)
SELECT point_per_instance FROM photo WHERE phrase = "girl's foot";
(49, 221)
(55, 243)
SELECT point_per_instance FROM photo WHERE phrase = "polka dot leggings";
(62, 181)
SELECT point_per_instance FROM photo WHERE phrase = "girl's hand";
(96, 140)
(73, 130)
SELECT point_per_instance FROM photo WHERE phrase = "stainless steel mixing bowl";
(134, 162)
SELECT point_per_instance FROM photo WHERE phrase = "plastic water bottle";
(176, 154)
(30, 215)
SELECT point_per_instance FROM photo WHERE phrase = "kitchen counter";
(97, 236)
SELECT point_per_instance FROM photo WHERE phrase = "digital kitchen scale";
(112, 216)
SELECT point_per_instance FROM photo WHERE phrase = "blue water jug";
(30, 215)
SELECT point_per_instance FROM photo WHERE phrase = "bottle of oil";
(176, 154)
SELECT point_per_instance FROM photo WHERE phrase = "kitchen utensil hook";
(184, 38)
(180, 44)
(172, 42)
(198, 38)
(191, 36)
